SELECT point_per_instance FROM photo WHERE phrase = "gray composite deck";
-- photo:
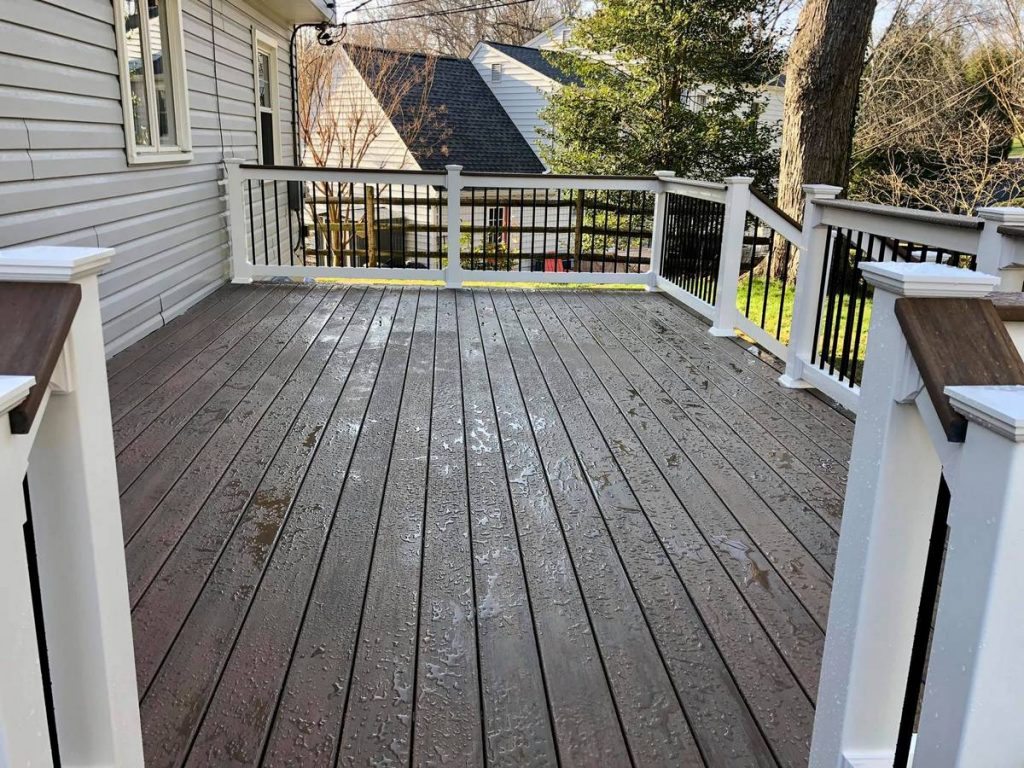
(391, 526)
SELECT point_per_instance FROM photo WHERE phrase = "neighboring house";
(524, 77)
(111, 137)
(407, 111)
(424, 112)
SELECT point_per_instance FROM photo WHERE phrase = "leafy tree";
(665, 84)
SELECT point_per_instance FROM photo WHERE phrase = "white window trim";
(497, 71)
(266, 44)
(182, 151)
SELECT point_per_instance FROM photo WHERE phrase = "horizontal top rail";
(556, 176)
(941, 231)
(356, 175)
(763, 198)
(1011, 231)
(553, 181)
(906, 214)
(693, 183)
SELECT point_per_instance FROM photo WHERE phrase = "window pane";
(136, 73)
(263, 75)
(161, 51)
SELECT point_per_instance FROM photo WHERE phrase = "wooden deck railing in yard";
(724, 250)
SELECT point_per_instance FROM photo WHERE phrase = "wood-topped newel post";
(453, 193)
(999, 254)
(76, 520)
(658, 230)
(737, 203)
(810, 268)
(888, 515)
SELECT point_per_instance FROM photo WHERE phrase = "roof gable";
(537, 60)
(444, 111)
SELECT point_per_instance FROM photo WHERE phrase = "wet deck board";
(414, 526)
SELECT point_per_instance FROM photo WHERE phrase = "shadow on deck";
(384, 526)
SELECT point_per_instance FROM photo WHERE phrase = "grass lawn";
(775, 306)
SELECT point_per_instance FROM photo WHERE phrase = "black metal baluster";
(825, 270)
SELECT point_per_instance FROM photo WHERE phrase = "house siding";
(523, 92)
(66, 180)
(353, 99)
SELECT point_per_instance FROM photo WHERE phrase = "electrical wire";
(432, 14)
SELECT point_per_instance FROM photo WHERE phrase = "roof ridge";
(418, 54)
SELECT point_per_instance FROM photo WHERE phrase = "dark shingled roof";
(535, 59)
(465, 124)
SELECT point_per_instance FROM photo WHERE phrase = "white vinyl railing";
(64, 598)
(722, 250)
(896, 548)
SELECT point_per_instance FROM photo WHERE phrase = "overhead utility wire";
(432, 14)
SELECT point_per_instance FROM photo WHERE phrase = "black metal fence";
(766, 296)
(556, 230)
(346, 224)
(692, 244)
(844, 298)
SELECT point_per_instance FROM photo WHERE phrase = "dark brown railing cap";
(36, 318)
(958, 342)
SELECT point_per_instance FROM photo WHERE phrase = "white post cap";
(451, 168)
(14, 389)
(998, 408)
(664, 174)
(821, 190)
(739, 180)
(52, 264)
(927, 280)
(1002, 215)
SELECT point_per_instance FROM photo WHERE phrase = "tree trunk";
(826, 60)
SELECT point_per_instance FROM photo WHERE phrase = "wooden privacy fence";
(722, 249)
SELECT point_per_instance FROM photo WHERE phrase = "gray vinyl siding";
(65, 178)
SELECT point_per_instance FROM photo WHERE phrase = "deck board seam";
(565, 542)
(630, 578)
(226, 657)
(707, 629)
(644, 316)
(700, 529)
(568, 551)
(809, 502)
(380, 507)
(423, 537)
(219, 389)
(241, 446)
(246, 335)
(220, 554)
(515, 525)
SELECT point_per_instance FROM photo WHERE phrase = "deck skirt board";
(414, 526)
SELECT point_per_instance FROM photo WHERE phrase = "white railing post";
(453, 270)
(238, 248)
(971, 714)
(808, 283)
(998, 254)
(77, 523)
(24, 739)
(887, 518)
(658, 230)
(737, 202)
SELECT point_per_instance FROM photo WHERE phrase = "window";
(268, 137)
(495, 225)
(565, 36)
(495, 73)
(151, 56)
